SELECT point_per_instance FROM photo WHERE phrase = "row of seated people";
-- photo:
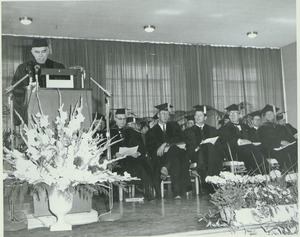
(161, 151)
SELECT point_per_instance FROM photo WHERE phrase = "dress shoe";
(164, 173)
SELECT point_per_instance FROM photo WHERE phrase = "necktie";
(164, 127)
(202, 134)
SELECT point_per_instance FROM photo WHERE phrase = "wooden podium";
(49, 100)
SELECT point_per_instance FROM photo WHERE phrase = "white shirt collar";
(162, 125)
(200, 126)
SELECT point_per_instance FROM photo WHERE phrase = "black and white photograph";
(149, 118)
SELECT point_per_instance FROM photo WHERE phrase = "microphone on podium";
(30, 73)
(36, 70)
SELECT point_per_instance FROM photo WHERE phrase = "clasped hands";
(162, 149)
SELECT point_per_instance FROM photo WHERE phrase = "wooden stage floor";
(156, 217)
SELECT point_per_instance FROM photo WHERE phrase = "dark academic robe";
(254, 135)
(175, 159)
(271, 136)
(209, 157)
(20, 91)
(291, 129)
(136, 167)
(249, 154)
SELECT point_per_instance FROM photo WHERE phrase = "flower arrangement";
(63, 156)
(235, 191)
(253, 199)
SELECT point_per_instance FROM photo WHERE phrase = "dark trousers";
(287, 158)
(137, 167)
(253, 159)
(209, 163)
(178, 166)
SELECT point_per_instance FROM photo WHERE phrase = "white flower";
(275, 174)
(291, 177)
(44, 121)
(63, 158)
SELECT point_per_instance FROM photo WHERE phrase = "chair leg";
(162, 189)
(133, 190)
(197, 185)
(120, 193)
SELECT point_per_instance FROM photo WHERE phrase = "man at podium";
(40, 51)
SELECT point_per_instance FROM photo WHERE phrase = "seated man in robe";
(253, 131)
(208, 156)
(282, 121)
(236, 144)
(190, 121)
(136, 165)
(273, 136)
(162, 144)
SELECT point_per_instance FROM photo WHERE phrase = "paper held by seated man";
(128, 151)
(181, 145)
(282, 147)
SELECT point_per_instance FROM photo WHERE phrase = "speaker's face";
(40, 54)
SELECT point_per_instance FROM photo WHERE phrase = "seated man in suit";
(236, 144)
(274, 135)
(136, 165)
(161, 142)
(208, 156)
(40, 51)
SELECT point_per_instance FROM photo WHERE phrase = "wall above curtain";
(141, 75)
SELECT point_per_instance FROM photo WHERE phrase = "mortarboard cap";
(39, 43)
(121, 111)
(189, 117)
(155, 116)
(280, 116)
(165, 106)
(203, 108)
(269, 108)
(131, 120)
(255, 113)
(221, 121)
(233, 107)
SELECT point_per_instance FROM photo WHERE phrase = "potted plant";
(61, 160)
(258, 199)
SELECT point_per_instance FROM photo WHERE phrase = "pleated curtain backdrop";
(142, 75)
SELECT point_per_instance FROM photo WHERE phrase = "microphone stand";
(11, 109)
(107, 105)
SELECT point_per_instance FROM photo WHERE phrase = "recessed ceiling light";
(252, 34)
(149, 28)
(25, 20)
